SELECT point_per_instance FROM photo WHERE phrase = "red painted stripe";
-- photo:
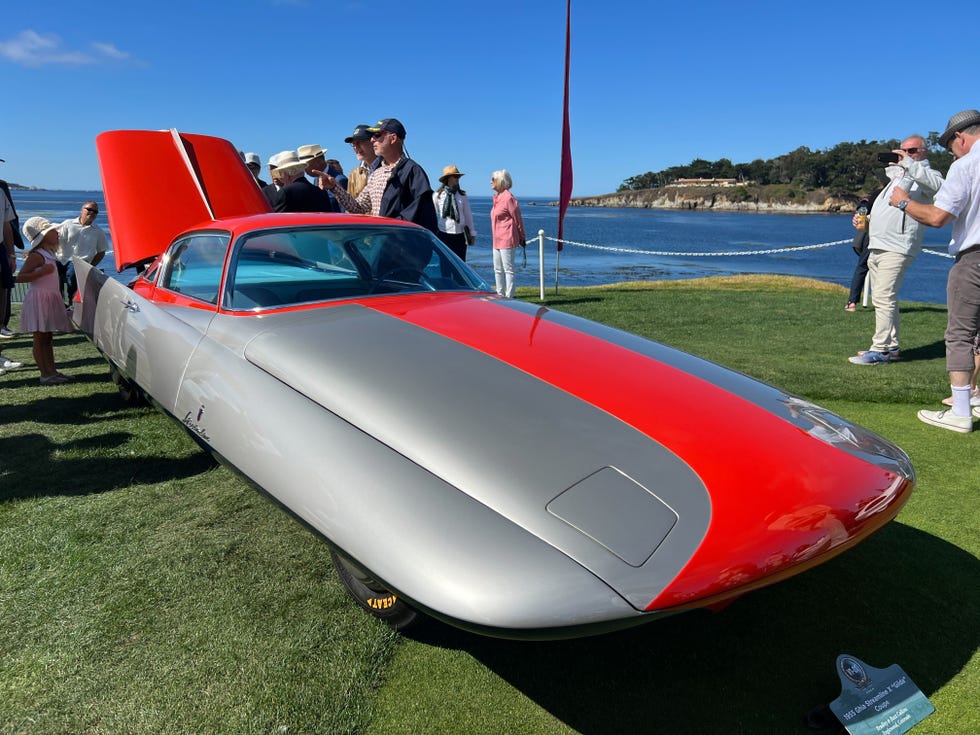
(779, 496)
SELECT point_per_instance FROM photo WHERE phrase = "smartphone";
(888, 157)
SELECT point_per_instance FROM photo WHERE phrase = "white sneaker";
(8, 364)
(6, 333)
(948, 420)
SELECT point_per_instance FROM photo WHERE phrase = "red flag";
(566, 145)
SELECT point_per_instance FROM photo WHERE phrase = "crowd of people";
(386, 182)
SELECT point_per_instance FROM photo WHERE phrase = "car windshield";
(288, 266)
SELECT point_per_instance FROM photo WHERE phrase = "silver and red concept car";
(497, 465)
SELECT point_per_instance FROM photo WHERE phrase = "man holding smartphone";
(959, 203)
(894, 240)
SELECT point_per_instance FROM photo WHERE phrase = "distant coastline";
(744, 198)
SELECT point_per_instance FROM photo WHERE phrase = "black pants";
(456, 243)
(860, 273)
(63, 280)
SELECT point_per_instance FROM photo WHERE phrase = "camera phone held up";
(888, 157)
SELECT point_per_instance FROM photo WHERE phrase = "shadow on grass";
(67, 475)
(933, 351)
(67, 409)
(922, 308)
(903, 597)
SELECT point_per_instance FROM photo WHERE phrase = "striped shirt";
(369, 200)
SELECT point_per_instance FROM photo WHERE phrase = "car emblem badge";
(194, 424)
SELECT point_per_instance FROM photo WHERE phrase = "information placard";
(877, 701)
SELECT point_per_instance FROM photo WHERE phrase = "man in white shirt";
(894, 241)
(957, 202)
(80, 238)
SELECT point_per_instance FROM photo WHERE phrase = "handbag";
(467, 235)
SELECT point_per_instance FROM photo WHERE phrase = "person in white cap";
(272, 190)
(957, 202)
(254, 164)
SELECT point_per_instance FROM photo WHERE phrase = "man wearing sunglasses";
(893, 241)
(959, 203)
(396, 186)
(80, 237)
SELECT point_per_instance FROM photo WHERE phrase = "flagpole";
(566, 148)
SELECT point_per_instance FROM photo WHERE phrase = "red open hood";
(205, 179)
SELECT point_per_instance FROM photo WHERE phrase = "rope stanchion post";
(541, 262)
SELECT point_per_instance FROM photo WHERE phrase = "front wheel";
(373, 596)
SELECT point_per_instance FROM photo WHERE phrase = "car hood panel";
(412, 389)
(543, 445)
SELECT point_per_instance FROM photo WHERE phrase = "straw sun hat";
(450, 171)
(288, 162)
(307, 153)
(36, 228)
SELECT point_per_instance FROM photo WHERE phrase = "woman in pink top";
(507, 227)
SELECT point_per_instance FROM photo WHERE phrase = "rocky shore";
(757, 199)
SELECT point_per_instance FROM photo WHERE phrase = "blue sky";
(479, 84)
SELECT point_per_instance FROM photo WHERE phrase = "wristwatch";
(903, 204)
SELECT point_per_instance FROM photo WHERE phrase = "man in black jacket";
(297, 193)
(397, 186)
(17, 242)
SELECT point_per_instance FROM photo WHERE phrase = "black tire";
(373, 596)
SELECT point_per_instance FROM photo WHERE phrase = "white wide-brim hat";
(309, 152)
(288, 162)
(36, 228)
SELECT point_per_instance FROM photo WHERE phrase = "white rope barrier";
(771, 251)
(688, 254)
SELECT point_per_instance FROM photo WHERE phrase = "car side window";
(194, 266)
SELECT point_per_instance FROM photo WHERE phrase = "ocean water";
(698, 235)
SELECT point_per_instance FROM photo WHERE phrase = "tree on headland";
(847, 168)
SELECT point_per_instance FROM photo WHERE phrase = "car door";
(148, 340)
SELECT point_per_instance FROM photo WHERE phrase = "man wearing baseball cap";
(360, 141)
(957, 202)
(396, 187)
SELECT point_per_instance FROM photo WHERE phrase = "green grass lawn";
(144, 589)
